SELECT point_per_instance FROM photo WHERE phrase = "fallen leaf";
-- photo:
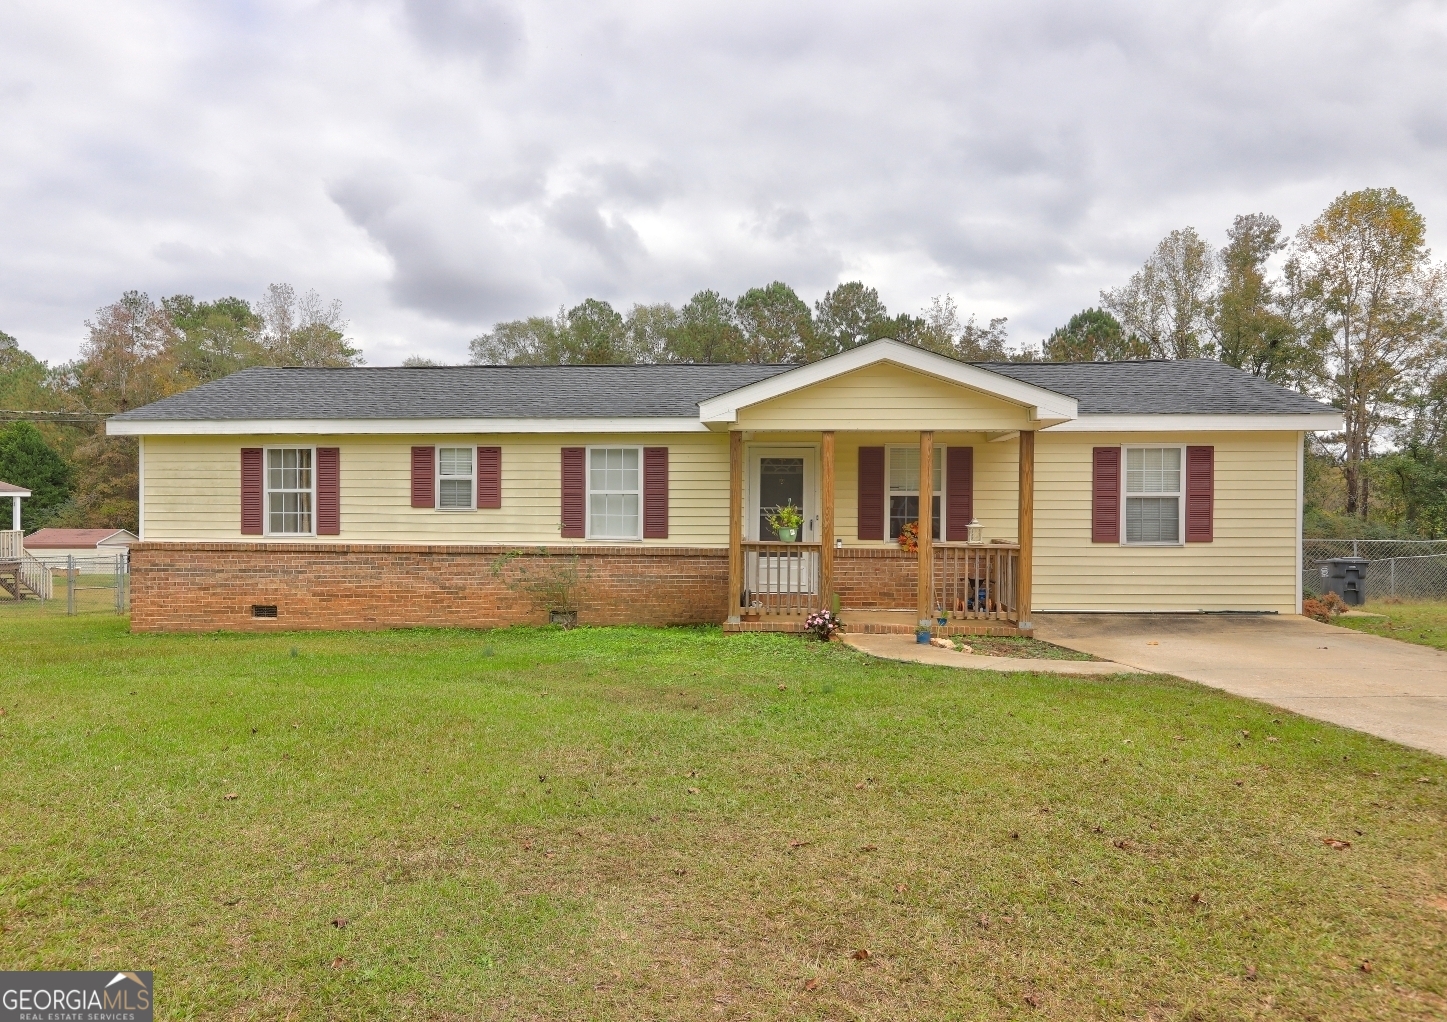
(1251, 973)
(799, 844)
(231, 796)
(1365, 966)
(1014, 835)
(1245, 734)
(1239, 783)
(862, 955)
(457, 805)
(1180, 738)
(870, 848)
(1077, 883)
(1337, 843)
(339, 923)
(234, 901)
(813, 982)
(1424, 780)
(1196, 898)
(1032, 1000)
(859, 786)
(339, 962)
(782, 688)
(1276, 720)
(1097, 830)
(1122, 844)
(693, 791)
(527, 846)
(1153, 642)
(984, 922)
(900, 888)
(1272, 738)
(680, 872)
(693, 773)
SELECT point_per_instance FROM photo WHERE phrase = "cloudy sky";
(439, 165)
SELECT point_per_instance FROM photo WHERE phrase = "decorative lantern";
(974, 536)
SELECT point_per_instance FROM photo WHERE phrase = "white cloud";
(441, 165)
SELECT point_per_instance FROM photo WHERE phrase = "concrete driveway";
(1381, 686)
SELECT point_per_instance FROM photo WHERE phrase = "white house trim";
(344, 427)
(1197, 423)
(1045, 405)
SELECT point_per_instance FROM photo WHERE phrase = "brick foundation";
(193, 587)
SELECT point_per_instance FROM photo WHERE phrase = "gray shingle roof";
(1195, 386)
(457, 392)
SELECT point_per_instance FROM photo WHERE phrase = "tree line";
(1349, 309)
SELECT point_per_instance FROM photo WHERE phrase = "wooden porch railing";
(12, 545)
(977, 582)
(781, 578)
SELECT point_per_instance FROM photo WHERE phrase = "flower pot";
(922, 638)
(566, 618)
(788, 535)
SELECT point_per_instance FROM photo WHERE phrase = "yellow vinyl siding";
(193, 488)
(1250, 565)
(883, 397)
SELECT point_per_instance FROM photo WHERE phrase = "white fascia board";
(345, 427)
(1044, 404)
(1309, 421)
(17, 492)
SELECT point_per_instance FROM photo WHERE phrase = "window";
(454, 478)
(289, 481)
(615, 486)
(903, 475)
(1153, 498)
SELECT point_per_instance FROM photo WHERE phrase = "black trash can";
(1347, 577)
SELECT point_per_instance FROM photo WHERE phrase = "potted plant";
(922, 633)
(785, 521)
(823, 625)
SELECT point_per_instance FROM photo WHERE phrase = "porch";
(977, 588)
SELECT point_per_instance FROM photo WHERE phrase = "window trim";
(889, 450)
(437, 477)
(1125, 497)
(588, 493)
(266, 490)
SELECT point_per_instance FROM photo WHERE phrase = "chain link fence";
(76, 585)
(1410, 569)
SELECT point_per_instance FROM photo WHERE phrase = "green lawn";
(636, 824)
(1423, 622)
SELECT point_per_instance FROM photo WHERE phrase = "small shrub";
(546, 581)
(823, 625)
(1324, 608)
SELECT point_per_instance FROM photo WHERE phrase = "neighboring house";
(53, 547)
(367, 497)
(20, 576)
(16, 495)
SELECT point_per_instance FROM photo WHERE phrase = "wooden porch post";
(926, 515)
(1026, 529)
(736, 523)
(826, 521)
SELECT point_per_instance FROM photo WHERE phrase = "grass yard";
(674, 824)
(1422, 621)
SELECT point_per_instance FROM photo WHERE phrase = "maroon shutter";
(424, 477)
(251, 470)
(489, 477)
(574, 492)
(1200, 493)
(329, 491)
(871, 493)
(655, 493)
(1105, 495)
(959, 492)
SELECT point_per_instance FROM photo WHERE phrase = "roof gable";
(1043, 406)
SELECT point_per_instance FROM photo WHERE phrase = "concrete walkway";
(1391, 689)
(903, 647)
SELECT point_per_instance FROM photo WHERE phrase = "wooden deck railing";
(781, 578)
(977, 582)
(12, 545)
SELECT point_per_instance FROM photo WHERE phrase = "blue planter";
(922, 638)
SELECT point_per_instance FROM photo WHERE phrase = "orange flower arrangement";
(909, 537)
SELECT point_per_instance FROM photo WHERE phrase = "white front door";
(777, 476)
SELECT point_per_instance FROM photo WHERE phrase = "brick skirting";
(194, 587)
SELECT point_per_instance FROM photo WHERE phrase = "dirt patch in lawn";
(1019, 646)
